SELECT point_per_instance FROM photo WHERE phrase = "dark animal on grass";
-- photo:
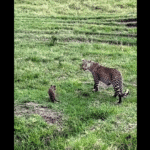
(107, 76)
(51, 93)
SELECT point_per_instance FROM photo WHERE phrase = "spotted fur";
(51, 93)
(105, 75)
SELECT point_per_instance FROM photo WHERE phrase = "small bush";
(53, 41)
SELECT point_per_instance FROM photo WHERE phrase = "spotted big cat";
(106, 75)
(51, 93)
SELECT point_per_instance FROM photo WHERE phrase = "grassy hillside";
(51, 39)
(74, 8)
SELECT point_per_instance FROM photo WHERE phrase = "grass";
(51, 39)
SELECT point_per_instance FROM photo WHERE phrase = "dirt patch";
(49, 115)
(129, 22)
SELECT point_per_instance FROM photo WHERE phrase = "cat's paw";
(94, 90)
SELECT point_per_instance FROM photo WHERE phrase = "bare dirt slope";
(49, 115)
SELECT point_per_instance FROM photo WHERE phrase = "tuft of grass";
(53, 40)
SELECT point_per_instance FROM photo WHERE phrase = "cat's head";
(53, 87)
(86, 64)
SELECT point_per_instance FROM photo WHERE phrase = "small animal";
(51, 93)
(105, 75)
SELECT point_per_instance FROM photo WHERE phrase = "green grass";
(51, 39)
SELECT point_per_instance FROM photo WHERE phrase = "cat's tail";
(125, 93)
